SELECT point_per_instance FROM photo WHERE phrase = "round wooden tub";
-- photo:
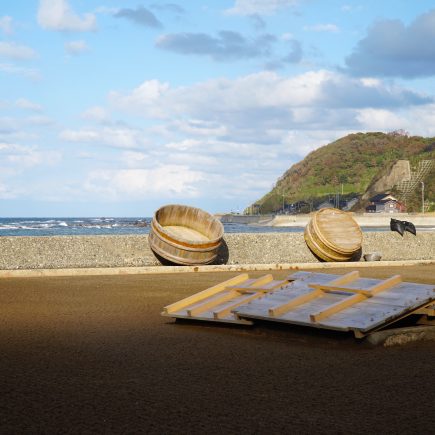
(333, 235)
(185, 235)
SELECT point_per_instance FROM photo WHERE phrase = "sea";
(107, 226)
(94, 226)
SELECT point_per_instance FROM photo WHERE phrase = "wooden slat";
(428, 310)
(207, 304)
(385, 285)
(345, 279)
(338, 306)
(226, 310)
(252, 284)
(368, 292)
(262, 280)
(278, 310)
(337, 283)
(336, 288)
(176, 306)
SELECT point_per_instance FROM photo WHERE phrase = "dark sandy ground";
(93, 355)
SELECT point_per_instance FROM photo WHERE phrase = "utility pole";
(422, 197)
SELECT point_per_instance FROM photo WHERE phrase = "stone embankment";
(241, 248)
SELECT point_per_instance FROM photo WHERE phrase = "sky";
(117, 107)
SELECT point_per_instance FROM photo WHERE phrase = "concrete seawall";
(363, 220)
(247, 248)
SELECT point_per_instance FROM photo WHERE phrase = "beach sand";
(93, 355)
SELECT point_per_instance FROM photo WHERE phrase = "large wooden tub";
(333, 235)
(185, 235)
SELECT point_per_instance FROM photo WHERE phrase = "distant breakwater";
(238, 248)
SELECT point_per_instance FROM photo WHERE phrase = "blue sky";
(115, 108)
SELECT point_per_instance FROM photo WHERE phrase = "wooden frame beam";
(205, 293)
(277, 310)
(338, 306)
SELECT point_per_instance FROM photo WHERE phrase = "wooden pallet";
(338, 302)
(346, 303)
(217, 303)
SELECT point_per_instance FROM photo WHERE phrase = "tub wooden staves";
(185, 235)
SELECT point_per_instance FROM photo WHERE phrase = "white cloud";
(419, 120)
(16, 51)
(244, 133)
(22, 157)
(29, 73)
(58, 15)
(96, 113)
(25, 104)
(134, 159)
(165, 181)
(378, 119)
(262, 107)
(39, 120)
(147, 94)
(333, 28)
(184, 145)
(198, 127)
(119, 137)
(76, 47)
(260, 7)
(6, 24)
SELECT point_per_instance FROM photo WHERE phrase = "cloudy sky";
(116, 107)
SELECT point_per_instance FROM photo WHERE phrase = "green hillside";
(349, 165)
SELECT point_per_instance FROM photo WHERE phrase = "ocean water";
(51, 226)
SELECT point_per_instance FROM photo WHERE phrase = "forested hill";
(349, 165)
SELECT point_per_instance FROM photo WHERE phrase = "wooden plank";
(274, 285)
(359, 296)
(385, 285)
(428, 310)
(262, 280)
(397, 301)
(226, 310)
(252, 284)
(338, 306)
(345, 279)
(278, 310)
(368, 291)
(211, 302)
(176, 306)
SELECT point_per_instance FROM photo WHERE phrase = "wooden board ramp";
(339, 302)
(216, 304)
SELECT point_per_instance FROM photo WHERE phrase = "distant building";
(385, 203)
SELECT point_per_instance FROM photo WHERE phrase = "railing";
(408, 187)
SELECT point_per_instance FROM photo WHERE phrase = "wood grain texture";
(333, 235)
(217, 303)
(185, 235)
